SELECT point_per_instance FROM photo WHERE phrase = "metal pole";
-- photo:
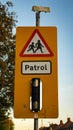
(38, 18)
(38, 9)
(36, 115)
(36, 122)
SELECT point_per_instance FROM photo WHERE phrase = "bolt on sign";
(36, 57)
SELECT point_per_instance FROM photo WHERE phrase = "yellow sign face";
(36, 57)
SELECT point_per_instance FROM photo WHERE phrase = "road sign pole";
(36, 116)
(38, 18)
(38, 10)
(36, 122)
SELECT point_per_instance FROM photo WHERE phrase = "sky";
(61, 16)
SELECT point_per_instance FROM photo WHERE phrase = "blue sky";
(61, 15)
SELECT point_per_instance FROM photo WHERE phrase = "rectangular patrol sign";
(33, 67)
(36, 60)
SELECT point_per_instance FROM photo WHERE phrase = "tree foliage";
(7, 124)
(7, 58)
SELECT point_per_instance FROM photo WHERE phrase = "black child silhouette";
(31, 47)
(39, 46)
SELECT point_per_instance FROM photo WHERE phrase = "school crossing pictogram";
(36, 46)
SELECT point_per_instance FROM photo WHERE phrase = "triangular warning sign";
(36, 46)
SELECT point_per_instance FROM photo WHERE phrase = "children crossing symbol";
(36, 46)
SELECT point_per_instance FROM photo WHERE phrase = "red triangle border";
(36, 55)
